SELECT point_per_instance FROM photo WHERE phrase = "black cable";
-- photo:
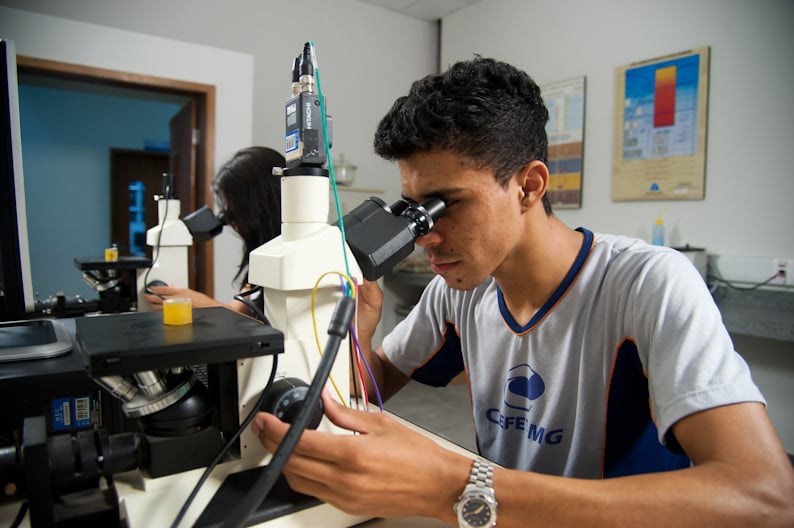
(731, 285)
(156, 251)
(251, 305)
(337, 330)
(228, 445)
(23, 510)
(352, 358)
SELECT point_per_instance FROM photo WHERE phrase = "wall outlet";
(786, 266)
(752, 270)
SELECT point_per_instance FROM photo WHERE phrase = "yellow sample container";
(112, 254)
(177, 311)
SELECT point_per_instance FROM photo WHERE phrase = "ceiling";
(431, 10)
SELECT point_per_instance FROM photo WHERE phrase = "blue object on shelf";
(137, 224)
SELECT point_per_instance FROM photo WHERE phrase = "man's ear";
(533, 180)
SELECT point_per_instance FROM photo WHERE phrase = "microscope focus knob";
(286, 401)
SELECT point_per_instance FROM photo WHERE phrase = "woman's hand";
(160, 293)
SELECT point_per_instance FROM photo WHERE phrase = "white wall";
(749, 188)
(367, 56)
(231, 72)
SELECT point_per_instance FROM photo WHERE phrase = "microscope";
(121, 281)
(170, 241)
(300, 269)
(308, 275)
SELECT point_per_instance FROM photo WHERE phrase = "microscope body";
(170, 240)
(287, 268)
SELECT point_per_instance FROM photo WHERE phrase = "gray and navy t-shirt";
(629, 343)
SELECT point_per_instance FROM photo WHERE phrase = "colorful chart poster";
(660, 128)
(565, 130)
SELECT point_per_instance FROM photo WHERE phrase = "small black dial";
(476, 512)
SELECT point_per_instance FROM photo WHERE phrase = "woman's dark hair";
(249, 197)
(487, 111)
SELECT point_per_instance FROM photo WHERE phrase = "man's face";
(482, 223)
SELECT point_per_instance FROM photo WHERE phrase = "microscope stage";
(121, 344)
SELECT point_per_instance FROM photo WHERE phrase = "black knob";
(286, 401)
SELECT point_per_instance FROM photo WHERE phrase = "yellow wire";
(352, 289)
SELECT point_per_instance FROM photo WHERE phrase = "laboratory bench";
(757, 313)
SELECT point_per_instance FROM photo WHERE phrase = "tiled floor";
(444, 411)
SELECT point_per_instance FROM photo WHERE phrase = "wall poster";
(661, 108)
(565, 130)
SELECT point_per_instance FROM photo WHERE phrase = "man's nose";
(433, 238)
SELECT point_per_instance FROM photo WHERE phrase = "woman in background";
(249, 198)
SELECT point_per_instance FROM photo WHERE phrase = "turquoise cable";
(330, 163)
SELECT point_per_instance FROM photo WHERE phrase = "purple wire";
(346, 290)
(364, 359)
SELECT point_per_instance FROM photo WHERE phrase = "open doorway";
(192, 144)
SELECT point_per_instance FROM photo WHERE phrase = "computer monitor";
(16, 288)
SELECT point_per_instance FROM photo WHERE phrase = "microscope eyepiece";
(380, 236)
(424, 215)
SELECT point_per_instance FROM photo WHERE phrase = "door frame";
(203, 96)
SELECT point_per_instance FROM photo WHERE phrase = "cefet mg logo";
(523, 385)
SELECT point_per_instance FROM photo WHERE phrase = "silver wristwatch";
(476, 506)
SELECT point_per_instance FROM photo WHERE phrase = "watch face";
(476, 512)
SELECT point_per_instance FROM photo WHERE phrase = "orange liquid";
(177, 312)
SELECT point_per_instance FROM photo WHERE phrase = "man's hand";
(370, 307)
(387, 470)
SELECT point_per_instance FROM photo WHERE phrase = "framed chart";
(565, 130)
(661, 108)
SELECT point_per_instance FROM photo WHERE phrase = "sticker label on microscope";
(61, 414)
(82, 412)
(292, 116)
(71, 413)
(292, 141)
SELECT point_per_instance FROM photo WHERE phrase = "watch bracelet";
(481, 473)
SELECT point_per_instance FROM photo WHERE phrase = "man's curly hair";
(487, 111)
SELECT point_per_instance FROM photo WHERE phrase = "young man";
(602, 379)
